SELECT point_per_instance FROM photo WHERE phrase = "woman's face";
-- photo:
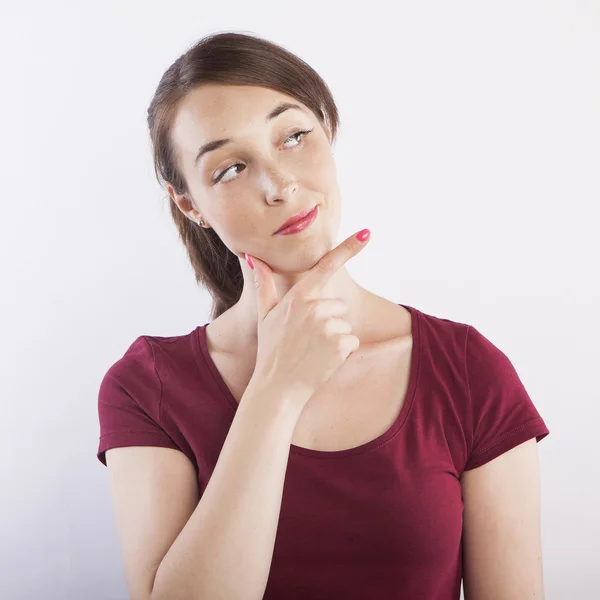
(269, 171)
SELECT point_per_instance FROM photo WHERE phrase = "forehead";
(217, 111)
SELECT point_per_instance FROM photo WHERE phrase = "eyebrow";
(216, 144)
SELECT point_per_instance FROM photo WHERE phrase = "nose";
(279, 186)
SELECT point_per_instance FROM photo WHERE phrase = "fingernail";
(363, 235)
(249, 261)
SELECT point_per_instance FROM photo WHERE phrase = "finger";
(316, 278)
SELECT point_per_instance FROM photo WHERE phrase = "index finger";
(316, 278)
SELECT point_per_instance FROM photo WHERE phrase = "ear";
(172, 194)
(182, 201)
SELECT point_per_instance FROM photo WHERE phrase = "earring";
(201, 220)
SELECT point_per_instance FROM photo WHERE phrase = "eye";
(298, 133)
(294, 136)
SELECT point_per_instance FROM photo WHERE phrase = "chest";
(357, 404)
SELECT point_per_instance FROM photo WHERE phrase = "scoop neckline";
(201, 348)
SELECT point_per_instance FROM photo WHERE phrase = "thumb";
(266, 292)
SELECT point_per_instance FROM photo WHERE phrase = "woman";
(314, 440)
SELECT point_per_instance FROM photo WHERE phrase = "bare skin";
(357, 404)
(268, 175)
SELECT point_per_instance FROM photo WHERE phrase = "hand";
(303, 338)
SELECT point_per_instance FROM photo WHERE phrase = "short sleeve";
(502, 413)
(129, 402)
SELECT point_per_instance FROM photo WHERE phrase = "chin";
(303, 257)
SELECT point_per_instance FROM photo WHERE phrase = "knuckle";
(327, 328)
(340, 345)
(313, 311)
(326, 265)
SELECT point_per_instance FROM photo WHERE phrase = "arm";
(502, 529)
(221, 547)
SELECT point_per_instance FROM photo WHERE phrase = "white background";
(469, 145)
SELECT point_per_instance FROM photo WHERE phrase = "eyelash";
(298, 133)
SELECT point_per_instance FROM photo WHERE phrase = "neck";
(244, 315)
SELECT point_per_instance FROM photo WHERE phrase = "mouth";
(297, 219)
(299, 222)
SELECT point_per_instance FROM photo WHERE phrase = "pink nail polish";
(363, 235)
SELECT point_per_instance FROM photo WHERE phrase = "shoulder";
(175, 350)
(142, 366)
(441, 336)
(137, 358)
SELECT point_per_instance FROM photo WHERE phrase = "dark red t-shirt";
(381, 520)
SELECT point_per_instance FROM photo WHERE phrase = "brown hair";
(229, 58)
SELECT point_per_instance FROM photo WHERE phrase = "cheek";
(321, 168)
(238, 224)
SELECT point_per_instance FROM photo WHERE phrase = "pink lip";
(296, 218)
(301, 224)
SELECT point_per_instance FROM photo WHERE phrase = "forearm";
(226, 548)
